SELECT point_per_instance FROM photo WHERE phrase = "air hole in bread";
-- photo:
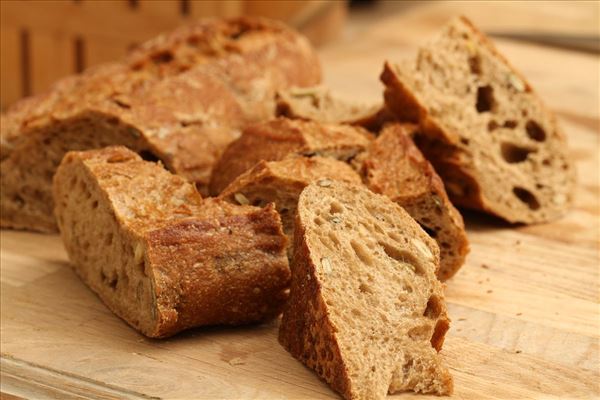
(535, 131)
(319, 221)
(94, 204)
(492, 126)
(361, 252)
(464, 141)
(510, 124)
(434, 308)
(513, 153)
(364, 288)
(148, 156)
(108, 239)
(162, 57)
(334, 238)
(475, 65)
(121, 104)
(18, 200)
(336, 207)
(403, 257)
(527, 197)
(485, 99)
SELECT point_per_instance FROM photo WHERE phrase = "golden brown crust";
(395, 167)
(283, 137)
(160, 94)
(158, 255)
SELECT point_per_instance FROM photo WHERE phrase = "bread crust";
(394, 166)
(158, 255)
(160, 93)
(282, 137)
(536, 177)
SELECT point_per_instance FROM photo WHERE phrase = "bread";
(281, 182)
(158, 255)
(282, 137)
(319, 104)
(487, 133)
(366, 311)
(394, 166)
(155, 102)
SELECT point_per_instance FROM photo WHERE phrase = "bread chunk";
(319, 104)
(181, 98)
(366, 311)
(282, 137)
(487, 133)
(395, 167)
(281, 182)
(157, 254)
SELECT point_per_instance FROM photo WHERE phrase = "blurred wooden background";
(44, 40)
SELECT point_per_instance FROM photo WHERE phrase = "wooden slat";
(10, 66)
(203, 9)
(165, 9)
(99, 49)
(52, 57)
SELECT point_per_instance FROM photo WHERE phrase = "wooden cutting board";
(525, 307)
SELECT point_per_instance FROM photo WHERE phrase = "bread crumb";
(326, 264)
(518, 351)
(485, 266)
(324, 182)
(490, 291)
(236, 361)
(241, 199)
(462, 319)
(516, 83)
(519, 314)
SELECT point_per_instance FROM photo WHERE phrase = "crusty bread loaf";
(282, 137)
(281, 182)
(158, 255)
(489, 136)
(180, 98)
(319, 104)
(366, 311)
(395, 167)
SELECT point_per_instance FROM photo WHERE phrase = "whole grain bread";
(180, 98)
(281, 182)
(283, 137)
(319, 104)
(366, 311)
(492, 140)
(160, 256)
(394, 166)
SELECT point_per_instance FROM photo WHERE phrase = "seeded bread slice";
(395, 167)
(282, 137)
(488, 134)
(158, 255)
(281, 182)
(366, 311)
(155, 102)
(319, 104)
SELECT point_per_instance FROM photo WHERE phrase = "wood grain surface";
(525, 308)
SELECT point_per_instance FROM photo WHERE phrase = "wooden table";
(525, 307)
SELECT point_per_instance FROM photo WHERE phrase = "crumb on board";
(490, 291)
(485, 266)
(462, 319)
(519, 314)
(518, 351)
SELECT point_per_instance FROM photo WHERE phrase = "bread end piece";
(160, 256)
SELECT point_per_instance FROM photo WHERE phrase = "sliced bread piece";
(319, 104)
(395, 167)
(281, 182)
(158, 255)
(366, 310)
(488, 134)
(282, 137)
